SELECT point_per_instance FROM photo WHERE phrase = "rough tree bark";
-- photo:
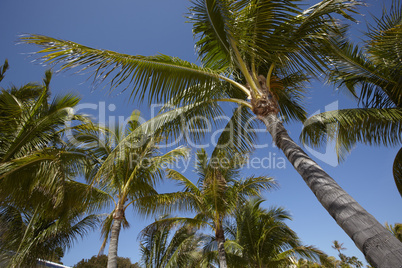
(220, 239)
(118, 217)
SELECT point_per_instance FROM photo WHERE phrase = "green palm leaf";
(385, 38)
(349, 126)
(213, 23)
(155, 75)
(353, 68)
(3, 69)
(23, 162)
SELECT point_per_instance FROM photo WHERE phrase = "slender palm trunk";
(220, 239)
(118, 217)
(380, 248)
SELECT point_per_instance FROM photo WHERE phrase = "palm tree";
(218, 189)
(345, 261)
(39, 231)
(372, 74)
(42, 208)
(30, 127)
(264, 239)
(128, 167)
(162, 246)
(250, 49)
(214, 197)
(338, 246)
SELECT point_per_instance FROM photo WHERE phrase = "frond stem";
(131, 202)
(238, 85)
(244, 70)
(268, 80)
(238, 101)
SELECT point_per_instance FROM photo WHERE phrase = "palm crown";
(238, 41)
(213, 198)
(126, 166)
(42, 209)
(162, 246)
(263, 239)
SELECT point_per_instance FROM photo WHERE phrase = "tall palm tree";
(338, 246)
(257, 54)
(264, 239)
(218, 189)
(372, 74)
(162, 246)
(128, 167)
(214, 197)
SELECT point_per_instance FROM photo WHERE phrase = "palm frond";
(160, 77)
(172, 156)
(25, 161)
(347, 127)
(253, 187)
(38, 233)
(255, 24)
(37, 126)
(238, 137)
(188, 185)
(3, 69)
(385, 41)
(212, 26)
(313, 27)
(305, 252)
(353, 68)
(167, 203)
(289, 89)
(169, 222)
(294, 39)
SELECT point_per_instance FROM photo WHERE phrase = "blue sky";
(158, 26)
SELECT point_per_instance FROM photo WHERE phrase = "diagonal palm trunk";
(118, 217)
(377, 244)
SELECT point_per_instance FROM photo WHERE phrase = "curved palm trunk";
(220, 239)
(378, 245)
(118, 217)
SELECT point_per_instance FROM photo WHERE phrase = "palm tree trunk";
(118, 217)
(220, 239)
(379, 247)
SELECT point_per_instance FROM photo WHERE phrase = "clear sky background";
(158, 26)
